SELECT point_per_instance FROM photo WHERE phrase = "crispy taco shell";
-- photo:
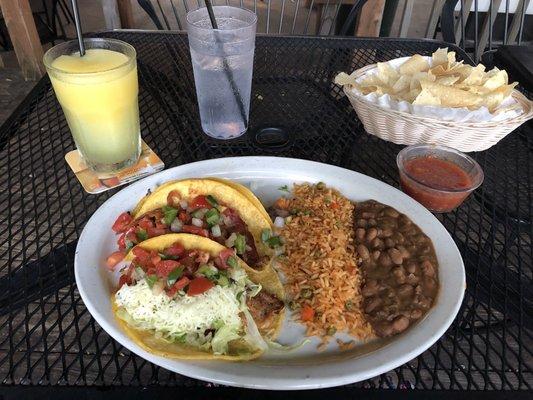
(229, 195)
(267, 278)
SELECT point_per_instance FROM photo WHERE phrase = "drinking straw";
(78, 26)
(227, 70)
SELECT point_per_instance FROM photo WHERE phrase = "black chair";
(478, 30)
(310, 17)
(50, 17)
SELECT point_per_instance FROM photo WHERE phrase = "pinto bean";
(389, 243)
(361, 223)
(371, 234)
(400, 324)
(385, 233)
(391, 212)
(368, 214)
(372, 222)
(398, 237)
(372, 304)
(375, 254)
(416, 314)
(377, 244)
(405, 291)
(427, 268)
(360, 233)
(363, 252)
(396, 256)
(411, 267)
(403, 251)
(370, 288)
(399, 275)
(430, 285)
(384, 259)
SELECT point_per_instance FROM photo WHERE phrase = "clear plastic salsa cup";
(438, 177)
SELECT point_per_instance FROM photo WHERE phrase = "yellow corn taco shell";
(255, 219)
(246, 193)
(268, 279)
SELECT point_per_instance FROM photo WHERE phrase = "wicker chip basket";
(403, 128)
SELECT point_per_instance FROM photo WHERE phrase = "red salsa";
(438, 184)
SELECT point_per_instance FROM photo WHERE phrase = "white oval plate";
(305, 368)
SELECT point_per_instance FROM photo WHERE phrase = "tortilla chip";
(440, 57)
(343, 79)
(425, 98)
(495, 78)
(452, 97)
(401, 84)
(476, 76)
(387, 74)
(447, 80)
(416, 63)
(493, 99)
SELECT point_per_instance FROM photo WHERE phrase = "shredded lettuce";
(222, 337)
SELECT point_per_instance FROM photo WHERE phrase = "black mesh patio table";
(47, 336)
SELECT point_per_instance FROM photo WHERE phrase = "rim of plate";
(400, 350)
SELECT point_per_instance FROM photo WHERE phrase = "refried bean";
(398, 265)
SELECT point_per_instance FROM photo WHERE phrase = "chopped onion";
(279, 222)
(158, 287)
(184, 204)
(197, 222)
(200, 213)
(231, 240)
(278, 251)
(215, 230)
(248, 248)
(176, 225)
(227, 220)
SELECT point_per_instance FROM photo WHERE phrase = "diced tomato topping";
(199, 285)
(122, 223)
(124, 280)
(307, 313)
(195, 230)
(199, 202)
(114, 259)
(141, 254)
(173, 198)
(153, 232)
(334, 205)
(122, 242)
(182, 283)
(154, 258)
(176, 250)
(145, 223)
(183, 216)
(222, 258)
(165, 267)
(178, 286)
(160, 225)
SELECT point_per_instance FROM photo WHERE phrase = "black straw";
(78, 26)
(227, 70)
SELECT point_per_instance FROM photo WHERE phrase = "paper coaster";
(149, 163)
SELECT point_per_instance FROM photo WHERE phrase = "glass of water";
(222, 61)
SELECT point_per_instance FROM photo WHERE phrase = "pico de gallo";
(203, 216)
(173, 270)
(192, 297)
